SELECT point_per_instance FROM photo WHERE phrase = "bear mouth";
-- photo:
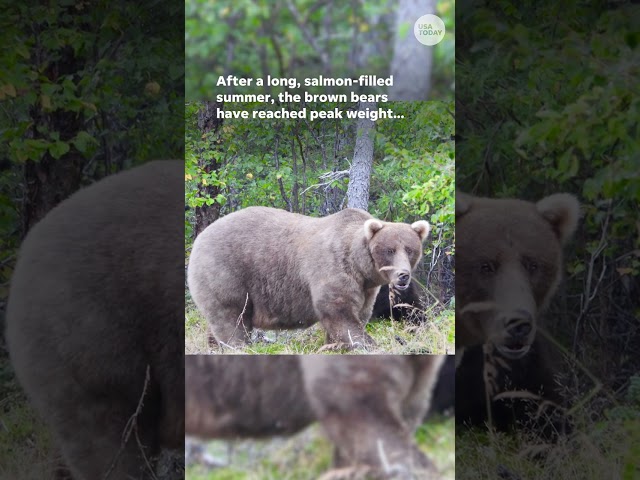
(401, 286)
(513, 351)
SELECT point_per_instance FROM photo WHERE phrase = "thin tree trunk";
(412, 61)
(208, 122)
(360, 172)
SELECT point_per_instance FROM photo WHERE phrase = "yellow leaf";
(45, 101)
(152, 88)
(624, 270)
(90, 106)
(8, 89)
(204, 181)
(188, 177)
(364, 27)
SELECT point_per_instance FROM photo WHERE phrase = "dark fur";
(533, 374)
(410, 296)
(364, 403)
(270, 269)
(95, 300)
(443, 400)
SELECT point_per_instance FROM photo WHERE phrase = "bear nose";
(404, 277)
(520, 325)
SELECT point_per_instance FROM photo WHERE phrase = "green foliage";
(92, 84)
(413, 174)
(256, 38)
(569, 111)
(548, 98)
(107, 66)
(418, 175)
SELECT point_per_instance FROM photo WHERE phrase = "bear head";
(395, 249)
(508, 266)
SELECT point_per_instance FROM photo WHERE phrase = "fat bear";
(95, 306)
(267, 268)
(508, 266)
(369, 406)
(406, 304)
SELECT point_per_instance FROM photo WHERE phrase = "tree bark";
(360, 172)
(208, 123)
(49, 181)
(412, 61)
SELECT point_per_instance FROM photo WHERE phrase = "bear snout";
(403, 279)
(519, 334)
(520, 326)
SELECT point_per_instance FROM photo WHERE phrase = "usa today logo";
(429, 30)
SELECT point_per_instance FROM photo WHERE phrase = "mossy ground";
(435, 336)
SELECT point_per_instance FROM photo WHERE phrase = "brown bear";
(266, 268)
(369, 406)
(508, 266)
(95, 306)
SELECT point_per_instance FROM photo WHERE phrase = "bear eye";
(409, 251)
(488, 267)
(391, 251)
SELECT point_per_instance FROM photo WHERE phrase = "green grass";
(308, 454)
(597, 449)
(437, 336)
(25, 443)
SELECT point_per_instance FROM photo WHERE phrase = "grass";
(601, 446)
(308, 454)
(25, 443)
(436, 336)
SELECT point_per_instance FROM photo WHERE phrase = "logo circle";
(429, 30)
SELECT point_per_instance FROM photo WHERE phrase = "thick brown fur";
(95, 300)
(508, 266)
(365, 404)
(270, 269)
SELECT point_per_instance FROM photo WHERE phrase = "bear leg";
(367, 422)
(338, 308)
(230, 326)
(91, 440)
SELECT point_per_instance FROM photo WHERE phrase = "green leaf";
(83, 140)
(58, 149)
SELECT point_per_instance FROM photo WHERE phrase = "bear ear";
(562, 211)
(371, 226)
(463, 203)
(422, 228)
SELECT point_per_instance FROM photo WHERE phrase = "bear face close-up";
(267, 268)
(508, 267)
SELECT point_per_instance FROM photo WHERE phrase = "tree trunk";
(208, 123)
(412, 61)
(50, 180)
(47, 183)
(360, 172)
